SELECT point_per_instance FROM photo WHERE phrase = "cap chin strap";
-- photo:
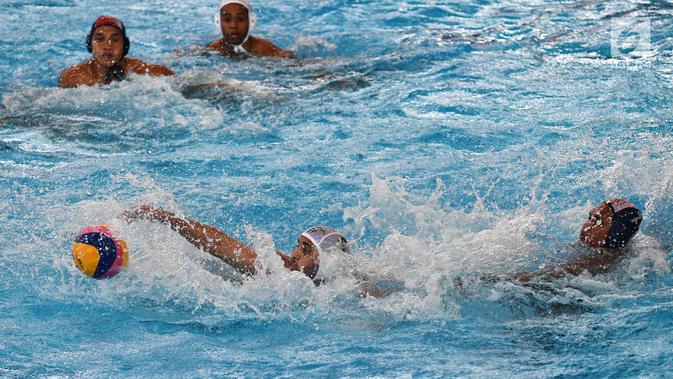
(239, 49)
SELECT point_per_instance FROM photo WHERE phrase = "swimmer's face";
(107, 44)
(304, 258)
(596, 229)
(235, 23)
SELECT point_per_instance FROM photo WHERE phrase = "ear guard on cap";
(626, 220)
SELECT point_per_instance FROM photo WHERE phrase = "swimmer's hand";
(146, 212)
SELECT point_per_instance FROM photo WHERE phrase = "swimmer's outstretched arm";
(255, 45)
(598, 261)
(207, 238)
(268, 49)
(143, 68)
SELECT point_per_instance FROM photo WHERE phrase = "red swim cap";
(109, 21)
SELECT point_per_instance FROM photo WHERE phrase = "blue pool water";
(446, 139)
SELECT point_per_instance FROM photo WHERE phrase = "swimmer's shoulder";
(216, 45)
(262, 46)
(140, 67)
(79, 74)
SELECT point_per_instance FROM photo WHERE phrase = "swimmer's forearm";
(599, 262)
(553, 273)
(523, 277)
(213, 241)
(574, 268)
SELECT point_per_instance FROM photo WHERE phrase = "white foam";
(312, 43)
(426, 247)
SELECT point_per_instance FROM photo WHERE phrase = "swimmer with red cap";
(311, 244)
(236, 20)
(606, 235)
(109, 45)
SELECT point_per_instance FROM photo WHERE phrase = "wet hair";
(626, 219)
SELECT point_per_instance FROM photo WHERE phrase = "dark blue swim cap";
(626, 219)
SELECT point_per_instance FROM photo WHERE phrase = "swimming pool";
(445, 139)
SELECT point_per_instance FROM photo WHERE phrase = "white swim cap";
(326, 240)
(252, 20)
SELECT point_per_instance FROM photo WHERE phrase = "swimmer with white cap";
(108, 44)
(312, 244)
(236, 20)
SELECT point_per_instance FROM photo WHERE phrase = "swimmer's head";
(236, 20)
(312, 244)
(107, 40)
(611, 224)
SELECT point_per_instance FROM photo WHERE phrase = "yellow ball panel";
(125, 254)
(86, 258)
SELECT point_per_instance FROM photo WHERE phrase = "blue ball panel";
(106, 249)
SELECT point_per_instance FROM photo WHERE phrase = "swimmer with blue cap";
(236, 20)
(108, 44)
(312, 244)
(605, 236)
